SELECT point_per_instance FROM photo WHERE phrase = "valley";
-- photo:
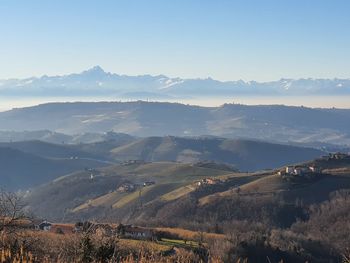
(142, 176)
(174, 131)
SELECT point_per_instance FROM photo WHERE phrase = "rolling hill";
(21, 170)
(45, 149)
(73, 195)
(30, 163)
(245, 155)
(61, 138)
(275, 123)
(97, 150)
(176, 196)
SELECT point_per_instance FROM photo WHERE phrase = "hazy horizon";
(252, 41)
(341, 102)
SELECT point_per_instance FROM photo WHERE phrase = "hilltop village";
(313, 169)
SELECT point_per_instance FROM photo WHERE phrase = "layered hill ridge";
(7, 136)
(46, 150)
(30, 163)
(271, 123)
(245, 155)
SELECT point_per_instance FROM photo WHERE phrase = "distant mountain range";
(97, 82)
(275, 123)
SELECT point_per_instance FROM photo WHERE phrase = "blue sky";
(223, 39)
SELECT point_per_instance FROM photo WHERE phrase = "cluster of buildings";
(311, 170)
(134, 232)
(337, 156)
(207, 181)
(300, 170)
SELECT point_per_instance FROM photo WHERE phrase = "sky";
(224, 39)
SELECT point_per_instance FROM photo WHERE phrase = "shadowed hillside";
(45, 149)
(30, 163)
(21, 170)
(243, 154)
(96, 150)
(61, 138)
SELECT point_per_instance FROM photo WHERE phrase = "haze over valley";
(174, 131)
(277, 123)
(97, 85)
(172, 167)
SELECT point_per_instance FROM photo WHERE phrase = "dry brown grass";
(190, 235)
(6, 255)
(37, 246)
(138, 245)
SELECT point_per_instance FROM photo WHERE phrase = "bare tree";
(11, 212)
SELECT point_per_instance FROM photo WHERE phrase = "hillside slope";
(20, 170)
(45, 149)
(176, 198)
(30, 163)
(97, 150)
(77, 194)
